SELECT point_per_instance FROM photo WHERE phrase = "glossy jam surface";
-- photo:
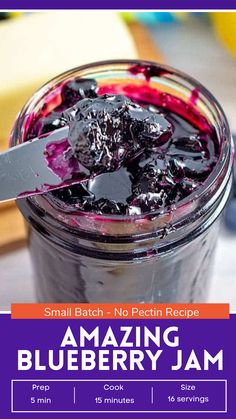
(137, 150)
(140, 150)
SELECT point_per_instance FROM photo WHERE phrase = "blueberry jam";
(141, 152)
(148, 148)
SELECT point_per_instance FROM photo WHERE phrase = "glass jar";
(156, 257)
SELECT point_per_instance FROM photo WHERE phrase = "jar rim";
(224, 163)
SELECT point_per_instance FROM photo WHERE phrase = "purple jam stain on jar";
(194, 96)
(148, 71)
(59, 161)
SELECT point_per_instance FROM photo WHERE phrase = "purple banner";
(118, 5)
(118, 375)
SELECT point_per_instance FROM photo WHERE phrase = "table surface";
(215, 68)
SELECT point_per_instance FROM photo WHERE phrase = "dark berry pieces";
(151, 129)
(197, 169)
(177, 169)
(103, 107)
(97, 134)
(192, 156)
(73, 196)
(132, 157)
(78, 89)
(154, 185)
(106, 206)
(154, 176)
(115, 186)
(148, 202)
(109, 193)
(50, 123)
(99, 147)
(191, 146)
(110, 129)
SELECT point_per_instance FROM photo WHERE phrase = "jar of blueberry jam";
(141, 226)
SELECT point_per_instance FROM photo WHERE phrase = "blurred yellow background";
(37, 46)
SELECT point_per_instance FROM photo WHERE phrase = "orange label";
(119, 311)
